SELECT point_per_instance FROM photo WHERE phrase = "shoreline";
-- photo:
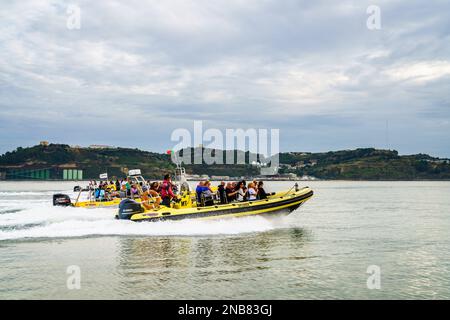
(259, 179)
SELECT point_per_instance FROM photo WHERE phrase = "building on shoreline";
(101, 146)
(30, 173)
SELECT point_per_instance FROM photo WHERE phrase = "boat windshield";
(138, 180)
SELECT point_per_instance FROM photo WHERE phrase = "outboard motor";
(127, 208)
(61, 200)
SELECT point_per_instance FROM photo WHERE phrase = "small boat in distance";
(87, 197)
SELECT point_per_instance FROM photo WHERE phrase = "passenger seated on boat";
(251, 192)
(207, 196)
(261, 192)
(244, 184)
(107, 190)
(245, 192)
(134, 192)
(99, 194)
(240, 196)
(123, 185)
(221, 191)
(231, 192)
(154, 186)
(199, 190)
(256, 183)
(128, 187)
(112, 186)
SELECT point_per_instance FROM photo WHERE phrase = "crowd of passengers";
(230, 192)
(152, 194)
(125, 188)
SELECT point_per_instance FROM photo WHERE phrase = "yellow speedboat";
(280, 203)
(86, 198)
(65, 201)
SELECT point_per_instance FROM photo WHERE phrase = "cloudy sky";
(136, 70)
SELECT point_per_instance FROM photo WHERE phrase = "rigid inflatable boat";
(65, 200)
(86, 196)
(280, 203)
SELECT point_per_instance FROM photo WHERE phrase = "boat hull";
(97, 204)
(277, 205)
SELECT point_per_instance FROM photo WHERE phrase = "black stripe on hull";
(238, 210)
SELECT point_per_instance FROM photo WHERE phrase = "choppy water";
(322, 250)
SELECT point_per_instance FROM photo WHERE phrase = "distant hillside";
(359, 164)
(366, 164)
(115, 161)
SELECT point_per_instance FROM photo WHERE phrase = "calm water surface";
(321, 251)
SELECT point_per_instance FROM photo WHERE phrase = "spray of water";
(37, 218)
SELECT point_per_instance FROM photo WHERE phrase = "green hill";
(115, 161)
(359, 164)
(366, 164)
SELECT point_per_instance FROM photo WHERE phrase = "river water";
(399, 230)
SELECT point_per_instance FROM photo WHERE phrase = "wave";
(31, 193)
(45, 221)
(35, 217)
(45, 213)
(10, 210)
(80, 228)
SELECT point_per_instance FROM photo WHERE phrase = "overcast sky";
(136, 71)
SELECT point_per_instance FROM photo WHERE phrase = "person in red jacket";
(166, 191)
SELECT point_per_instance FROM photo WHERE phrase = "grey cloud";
(312, 69)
